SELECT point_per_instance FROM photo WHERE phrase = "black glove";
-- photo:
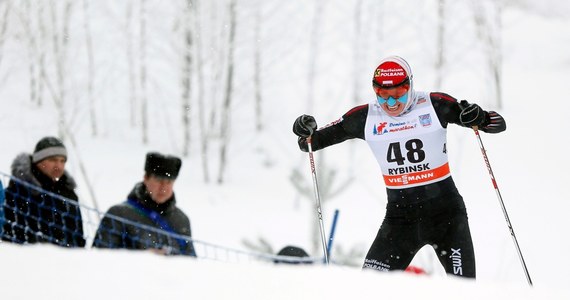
(304, 126)
(471, 114)
(494, 123)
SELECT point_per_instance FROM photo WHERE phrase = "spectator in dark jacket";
(41, 204)
(149, 218)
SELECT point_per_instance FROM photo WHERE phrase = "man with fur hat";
(149, 218)
(32, 212)
(406, 131)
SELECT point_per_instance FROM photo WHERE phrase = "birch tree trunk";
(41, 54)
(313, 53)
(356, 52)
(187, 77)
(226, 107)
(90, 68)
(440, 44)
(131, 69)
(358, 56)
(4, 12)
(257, 68)
(33, 51)
(488, 24)
(59, 54)
(201, 108)
(143, 75)
(495, 52)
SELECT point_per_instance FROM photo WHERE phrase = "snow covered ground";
(258, 200)
(50, 273)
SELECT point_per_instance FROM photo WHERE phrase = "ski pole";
(331, 234)
(318, 200)
(484, 152)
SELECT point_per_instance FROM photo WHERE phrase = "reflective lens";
(391, 101)
(404, 98)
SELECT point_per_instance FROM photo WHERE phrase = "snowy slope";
(136, 275)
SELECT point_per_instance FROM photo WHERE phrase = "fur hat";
(47, 147)
(164, 166)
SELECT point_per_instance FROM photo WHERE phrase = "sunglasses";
(392, 101)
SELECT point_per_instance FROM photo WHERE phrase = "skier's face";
(53, 166)
(392, 100)
(160, 189)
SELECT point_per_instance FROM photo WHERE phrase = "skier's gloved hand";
(302, 142)
(471, 114)
(494, 123)
(304, 126)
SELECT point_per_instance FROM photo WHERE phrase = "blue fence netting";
(31, 215)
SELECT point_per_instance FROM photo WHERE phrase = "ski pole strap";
(157, 219)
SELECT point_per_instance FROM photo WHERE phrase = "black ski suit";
(433, 213)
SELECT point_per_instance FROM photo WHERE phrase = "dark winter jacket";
(33, 215)
(140, 223)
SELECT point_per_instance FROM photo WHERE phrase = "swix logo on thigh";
(456, 261)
